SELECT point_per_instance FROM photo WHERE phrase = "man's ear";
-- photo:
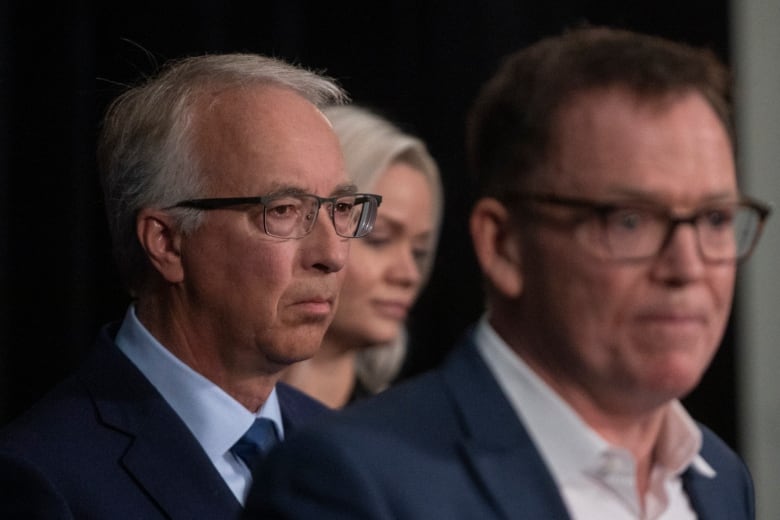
(161, 240)
(496, 246)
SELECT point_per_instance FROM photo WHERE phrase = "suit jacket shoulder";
(445, 445)
(727, 495)
(105, 444)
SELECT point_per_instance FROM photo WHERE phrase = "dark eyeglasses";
(294, 215)
(726, 231)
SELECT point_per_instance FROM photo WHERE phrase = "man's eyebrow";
(341, 189)
(639, 196)
(285, 190)
(344, 189)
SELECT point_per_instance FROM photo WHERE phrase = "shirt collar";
(215, 419)
(567, 444)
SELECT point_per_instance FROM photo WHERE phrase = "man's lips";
(673, 317)
(673, 322)
(673, 314)
(316, 304)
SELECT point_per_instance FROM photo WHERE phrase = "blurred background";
(419, 62)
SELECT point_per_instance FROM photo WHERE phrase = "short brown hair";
(510, 125)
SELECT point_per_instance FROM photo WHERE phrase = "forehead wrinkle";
(633, 194)
(281, 188)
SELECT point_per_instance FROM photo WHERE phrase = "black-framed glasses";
(292, 215)
(725, 231)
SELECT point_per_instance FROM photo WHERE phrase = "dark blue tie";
(256, 442)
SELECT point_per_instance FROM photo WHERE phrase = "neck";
(634, 431)
(329, 376)
(621, 421)
(182, 332)
(638, 434)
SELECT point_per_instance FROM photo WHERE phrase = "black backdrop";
(420, 62)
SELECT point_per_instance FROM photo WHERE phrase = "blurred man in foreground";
(608, 231)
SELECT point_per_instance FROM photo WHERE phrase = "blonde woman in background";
(364, 347)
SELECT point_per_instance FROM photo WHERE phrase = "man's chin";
(294, 351)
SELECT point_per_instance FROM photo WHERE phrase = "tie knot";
(256, 442)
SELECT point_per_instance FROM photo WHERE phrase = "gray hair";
(371, 144)
(145, 151)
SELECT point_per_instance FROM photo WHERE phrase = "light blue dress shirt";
(215, 419)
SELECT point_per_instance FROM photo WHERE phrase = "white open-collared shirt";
(596, 480)
(215, 419)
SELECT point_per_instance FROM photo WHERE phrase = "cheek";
(599, 310)
(724, 283)
(264, 274)
(722, 289)
(593, 305)
(575, 295)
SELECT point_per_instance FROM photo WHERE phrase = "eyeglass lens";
(727, 233)
(294, 216)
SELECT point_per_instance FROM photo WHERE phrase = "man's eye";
(627, 219)
(282, 210)
(343, 207)
(716, 218)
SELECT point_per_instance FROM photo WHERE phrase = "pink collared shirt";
(595, 479)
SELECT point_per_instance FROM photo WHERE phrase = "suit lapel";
(516, 481)
(162, 456)
(729, 494)
(166, 468)
(510, 470)
(701, 498)
(495, 444)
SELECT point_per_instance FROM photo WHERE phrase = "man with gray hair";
(215, 173)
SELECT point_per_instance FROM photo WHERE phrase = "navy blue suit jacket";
(446, 445)
(105, 445)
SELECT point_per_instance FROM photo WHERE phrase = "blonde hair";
(371, 144)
